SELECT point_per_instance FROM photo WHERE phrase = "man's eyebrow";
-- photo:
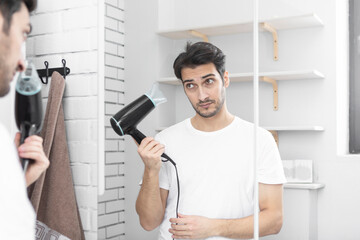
(208, 75)
(203, 77)
(187, 80)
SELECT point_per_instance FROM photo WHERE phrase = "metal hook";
(47, 73)
(64, 65)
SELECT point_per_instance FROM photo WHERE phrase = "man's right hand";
(33, 149)
(150, 152)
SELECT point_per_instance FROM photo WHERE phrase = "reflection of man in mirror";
(17, 217)
(213, 152)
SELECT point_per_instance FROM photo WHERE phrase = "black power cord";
(168, 159)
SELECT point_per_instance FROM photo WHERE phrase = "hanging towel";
(52, 195)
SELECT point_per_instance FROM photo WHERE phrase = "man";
(17, 217)
(214, 156)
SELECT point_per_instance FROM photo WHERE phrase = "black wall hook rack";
(47, 72)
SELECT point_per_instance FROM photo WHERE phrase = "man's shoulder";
(249, 126)
(174, 129)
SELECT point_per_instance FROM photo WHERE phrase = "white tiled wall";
(111, 220)
(68, 29)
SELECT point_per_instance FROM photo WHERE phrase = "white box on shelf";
(298, 171)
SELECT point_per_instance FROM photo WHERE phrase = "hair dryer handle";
(26, 132)
(137, 135)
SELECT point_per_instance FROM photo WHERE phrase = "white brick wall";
(111, 205)
(68, 29)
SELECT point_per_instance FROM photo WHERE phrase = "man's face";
(205, 89)
(11, 59)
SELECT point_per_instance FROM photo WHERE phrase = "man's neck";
(222, 119)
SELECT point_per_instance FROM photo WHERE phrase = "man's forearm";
(149, 205)
(270, 222)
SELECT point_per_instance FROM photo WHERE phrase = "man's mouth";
(205, 105)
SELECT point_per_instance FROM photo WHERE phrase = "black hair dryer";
(28, 105)
(126, 120)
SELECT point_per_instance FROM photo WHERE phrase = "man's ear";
(226, 79)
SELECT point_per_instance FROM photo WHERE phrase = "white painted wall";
(142, 66)
(305, 102)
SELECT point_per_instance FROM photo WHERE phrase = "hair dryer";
(126, 120)
(28, 106)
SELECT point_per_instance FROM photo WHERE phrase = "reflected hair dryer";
(28, 105)
(126, 120)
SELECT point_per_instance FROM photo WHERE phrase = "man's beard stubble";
(5, 68)
(218, 106)
(5, 78)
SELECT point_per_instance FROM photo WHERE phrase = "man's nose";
(203, 94)
(20, 65)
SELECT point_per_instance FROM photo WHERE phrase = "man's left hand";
(191, 227)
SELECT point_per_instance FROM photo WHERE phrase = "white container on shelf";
(298, 171)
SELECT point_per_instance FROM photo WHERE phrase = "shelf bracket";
(275, 90)
(276, 136)
(199, 35)
(272, 30)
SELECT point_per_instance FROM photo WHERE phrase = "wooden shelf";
(294, 128)
(269, 77)
(170, 80)
(276, 129)
(279, 128)
(300, 21)
(277, 76)
(306, 186)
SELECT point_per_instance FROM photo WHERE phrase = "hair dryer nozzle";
(155, 95)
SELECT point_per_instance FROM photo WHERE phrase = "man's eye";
(209, 81)
(189, 86)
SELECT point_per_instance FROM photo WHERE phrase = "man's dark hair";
(9, 7)
(198, 54)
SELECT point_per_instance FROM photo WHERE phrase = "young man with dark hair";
(214, 156)
(17, 217)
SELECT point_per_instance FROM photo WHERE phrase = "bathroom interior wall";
(142, 64)
(303, 102)
(111, 220)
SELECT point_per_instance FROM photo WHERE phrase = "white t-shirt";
(17, 216)
(215, 170)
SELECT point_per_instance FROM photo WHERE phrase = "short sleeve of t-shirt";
(270, 166)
